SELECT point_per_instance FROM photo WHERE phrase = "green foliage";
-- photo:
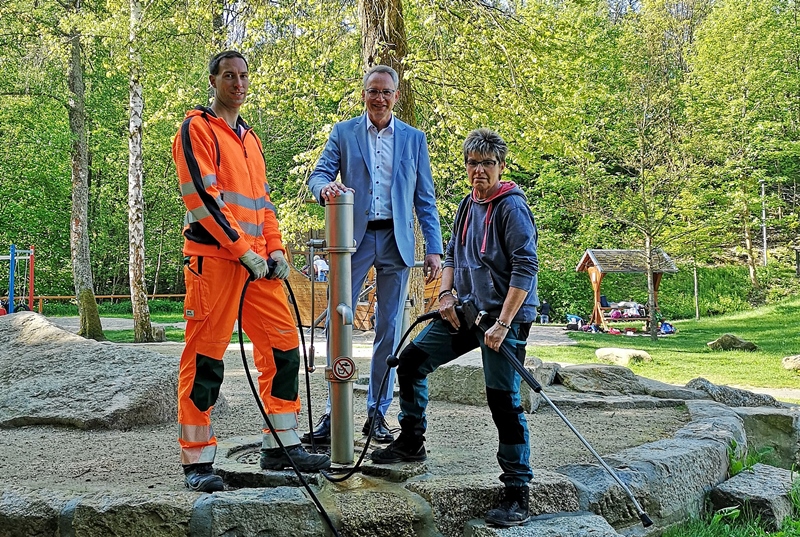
(645, 124)
(161, 310)
(731, 522)
(794, 494)
(743, 460)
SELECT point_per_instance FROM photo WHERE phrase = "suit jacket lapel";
(400, 134)
(361, 139)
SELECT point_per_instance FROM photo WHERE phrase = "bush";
(59, 309)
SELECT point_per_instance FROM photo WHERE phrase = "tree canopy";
(645, 124)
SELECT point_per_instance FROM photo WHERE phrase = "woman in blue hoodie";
(491, 260)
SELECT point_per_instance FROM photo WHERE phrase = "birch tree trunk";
(383, 41)
(90, 326)
(651, 288)
(142, 329)
(748, 246)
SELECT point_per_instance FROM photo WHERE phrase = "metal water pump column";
(341, 371)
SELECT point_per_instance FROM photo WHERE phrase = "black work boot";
(514, 508)
(201, 478)
(277, 459)
(381, 434)
(407, 448)
(322, 433)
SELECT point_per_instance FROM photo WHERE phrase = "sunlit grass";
(126, 336)
(172, 334)
(684, 356)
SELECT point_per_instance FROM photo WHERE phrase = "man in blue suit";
(385, 163)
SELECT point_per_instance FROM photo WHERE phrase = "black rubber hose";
(391, 361)
(253, 388)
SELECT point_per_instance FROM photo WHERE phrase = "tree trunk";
(90, 326)
(748, 245)
(383, 41)
(696, 290)
(652, 318)
(142, 329)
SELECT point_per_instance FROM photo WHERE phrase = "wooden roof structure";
(625, 261)
(598, 263)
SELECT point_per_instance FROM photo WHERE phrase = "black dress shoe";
(381, 434)
(322, 433)
(404, 449)
(278, 459)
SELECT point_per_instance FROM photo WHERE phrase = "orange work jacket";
(223, 183)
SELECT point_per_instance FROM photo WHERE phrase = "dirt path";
(461, 439)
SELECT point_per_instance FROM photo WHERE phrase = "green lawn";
(172, 334)
(126, 336)
(681, 357)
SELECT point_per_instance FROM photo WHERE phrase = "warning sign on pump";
(343, 368)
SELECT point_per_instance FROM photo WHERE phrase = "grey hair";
(213, 65)
(485, 142)
(383, 69)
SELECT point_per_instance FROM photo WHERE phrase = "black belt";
(374, 225)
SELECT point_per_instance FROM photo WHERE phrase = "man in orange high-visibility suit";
(230, 229)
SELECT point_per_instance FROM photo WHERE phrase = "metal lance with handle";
(479, 320)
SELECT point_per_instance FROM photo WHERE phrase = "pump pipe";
(341, 371)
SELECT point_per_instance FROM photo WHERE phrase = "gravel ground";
(461, 439)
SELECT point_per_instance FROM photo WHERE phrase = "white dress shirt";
(381, 150)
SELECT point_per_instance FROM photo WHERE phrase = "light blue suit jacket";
(347, 154)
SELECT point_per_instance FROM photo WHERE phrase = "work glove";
(255, 264)
(281, 265)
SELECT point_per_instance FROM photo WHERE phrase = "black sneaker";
(322, 433)
(514, 508)
(401, 450)
(382, 434)
(201, 478)
(277, 459)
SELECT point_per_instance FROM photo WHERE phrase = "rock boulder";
(729, 342)
(51, 376)
(623, 357)
(792, 363)
(732, 396)
(764, 492)
(600, 379)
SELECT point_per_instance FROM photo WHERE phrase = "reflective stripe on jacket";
(224, 187)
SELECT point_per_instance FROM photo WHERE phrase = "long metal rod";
(534, 384)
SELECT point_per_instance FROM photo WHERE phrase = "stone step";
(579, 524)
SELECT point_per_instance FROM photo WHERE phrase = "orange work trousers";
(213, 291)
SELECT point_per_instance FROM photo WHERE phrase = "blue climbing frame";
(14, 256)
